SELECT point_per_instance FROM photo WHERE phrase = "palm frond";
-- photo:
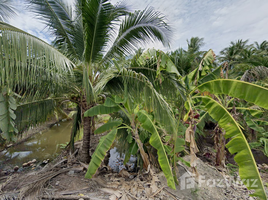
(28, 63)
(58, 16)
(161, 72)
(7, 10)
(98, 18)
(89, 90)
(255, 74)
(136, 85)
(32, 113)
(136, 29)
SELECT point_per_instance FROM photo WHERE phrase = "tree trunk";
(88, 130)
(87, 127)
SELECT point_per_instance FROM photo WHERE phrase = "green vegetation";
(155, 103)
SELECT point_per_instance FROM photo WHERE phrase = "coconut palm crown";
(88, 35)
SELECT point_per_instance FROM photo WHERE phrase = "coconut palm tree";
(232, 54)
(88, 34)
(261, 47)
(187, 60)
(194, 45)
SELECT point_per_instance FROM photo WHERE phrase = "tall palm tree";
(188, 60)
(260, 47)
(194, 44)
(182, 60)
(232, 54)
(90, 33)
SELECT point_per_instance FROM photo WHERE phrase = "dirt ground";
(60, 181)
(64, 179)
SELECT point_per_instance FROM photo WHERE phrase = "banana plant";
(139, 119)
(238, 144)
(7, 116)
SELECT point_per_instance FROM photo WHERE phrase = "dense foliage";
(159, 102)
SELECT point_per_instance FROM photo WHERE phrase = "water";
(116, 161)
(41, 146)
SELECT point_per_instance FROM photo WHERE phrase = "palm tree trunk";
(88, 130)
(87, 127)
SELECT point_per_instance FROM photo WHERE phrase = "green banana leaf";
(261, 122)
(156, 142)
(253, 125)
(110, 102)
(265, 142)
(253, 112)
(179, 145)
(100, 110)
(203, 68)
(7, 116)
(100, 152)
(238, 89)
(108, 126)
(211, 76)
(238, 144)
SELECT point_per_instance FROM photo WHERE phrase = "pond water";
(44, 145)
(116, 161)
(47, 145)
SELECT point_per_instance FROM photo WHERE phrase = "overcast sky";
(218, 21)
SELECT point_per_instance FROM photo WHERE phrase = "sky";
(217, 21)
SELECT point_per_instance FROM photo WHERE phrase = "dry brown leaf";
(193, 160)
(134, 189)
(117, 193)
(124, 197)
(193, 145)
(124, 173)
(113, 197)
(148, 191)
(188, 134)
(153, 184)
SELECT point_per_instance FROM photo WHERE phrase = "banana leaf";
(110, 102)
(211, 76)
(238, 145)
(238, 89)
(100, 152)
(253, 125)
(100, 110)
(253, 112)
(7, 116)
(156, 142)
(108, 126)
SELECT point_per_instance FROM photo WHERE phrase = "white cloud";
(26, 21)
(218, 22)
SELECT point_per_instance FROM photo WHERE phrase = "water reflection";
(41, 146)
